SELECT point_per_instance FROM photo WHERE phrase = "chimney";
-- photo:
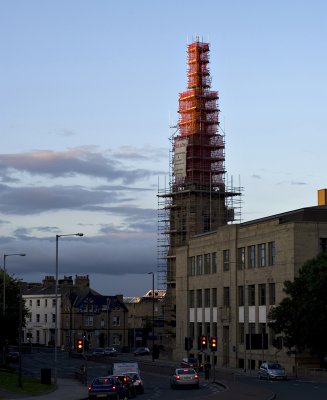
(322, 197)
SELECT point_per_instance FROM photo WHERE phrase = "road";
(156, 380)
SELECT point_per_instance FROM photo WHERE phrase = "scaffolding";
(197, 199)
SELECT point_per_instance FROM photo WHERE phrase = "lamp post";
(4, 279)
(56, 304)
(152, 273)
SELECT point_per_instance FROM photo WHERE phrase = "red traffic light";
(203, 342)
(80, 346)
(213, 344)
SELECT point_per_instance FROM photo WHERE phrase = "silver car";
(272, 370)
(184, 377)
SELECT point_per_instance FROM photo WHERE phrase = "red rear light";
(196, 376)
(114, 388)
(178, 377)
(90, 387)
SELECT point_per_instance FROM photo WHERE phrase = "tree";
(9, 321)
(302, 316)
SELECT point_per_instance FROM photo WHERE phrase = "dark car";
(142, 351)
(104, 387)
(191, 362)
(127, 388)
(13, 356)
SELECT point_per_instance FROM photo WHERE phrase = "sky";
(88, 95)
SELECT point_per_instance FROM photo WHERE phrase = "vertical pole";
(4, 286)
(152, 316)
(20, 336)
(56, 315)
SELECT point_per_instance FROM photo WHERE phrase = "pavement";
(67, 389)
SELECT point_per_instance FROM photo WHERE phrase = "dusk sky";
(88, 92)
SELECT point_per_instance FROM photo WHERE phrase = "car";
(191, 362)
(142, 351)
(99, 351)
(272, 370)
(13, 356)
(127, 388)
(104, 387)
(184, 377)
(110, 351)
(137, 382)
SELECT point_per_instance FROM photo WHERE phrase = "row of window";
(261, 295)
(38, 318)
(260, 255)
(88, 320)
(38, 302)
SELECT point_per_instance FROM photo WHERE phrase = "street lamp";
(4, 278)
(152, 273)
(56, 305)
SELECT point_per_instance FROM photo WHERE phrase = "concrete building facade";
(228, 280)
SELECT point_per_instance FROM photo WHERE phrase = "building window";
(88, 320)
(214, 329)
(199, 267)
(191, 330)
(29, 315)
(207, 329)
(45, 302)
(226, 300)
(102, 323)
(53, 302)
(323, 244)
(272, 294)
(191, 266)
(191, 298)
(241, 296)
(207, 298)
(214, 263)
(45, 318)
(116, 321)
(199, 298)
(251, 256)
(226, 260)
(262, 254)
(31, 302)
(207, 263)
(37, 336)
(37, 317)
(251, 295)
(241, 333)
(214, 297)
(38, 303)
(53, 318)
(262, 294)
(241, 258)
(271, 253)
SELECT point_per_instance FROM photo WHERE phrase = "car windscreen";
(103, 381)
(185, 371)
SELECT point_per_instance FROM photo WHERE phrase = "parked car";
(110, 351)
(142, 351)
(191, 362)
(272, 370)
(184, 377)
(104, 387)
(98, 352)
(12, 356)
(127, 387)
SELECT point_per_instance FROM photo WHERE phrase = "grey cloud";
(70, 163)
(255, 176)
(107, 254)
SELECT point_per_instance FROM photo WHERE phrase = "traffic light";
(188, 343)
(203, 342)
(213, 344)
(80, 345)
